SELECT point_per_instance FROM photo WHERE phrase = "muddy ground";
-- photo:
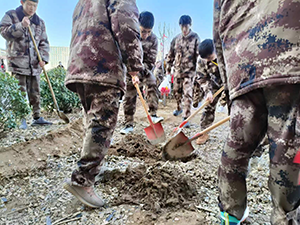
(138, 186)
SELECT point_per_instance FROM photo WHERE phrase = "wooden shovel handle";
(144, 103)
(43, 67)
(202, 107)
(210, 128)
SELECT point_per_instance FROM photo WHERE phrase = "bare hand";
(26, 22)
(135, 78)
(42, 64)
(210, 97)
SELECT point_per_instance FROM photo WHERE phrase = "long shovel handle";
(209, 129)
(44, 70)
(144, 104)
(198, 110)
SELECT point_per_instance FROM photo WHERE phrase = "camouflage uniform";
(159, 72)
(147, 78)
(21, 55)
(209, 81)
(100, 50)
(259, 41)
(183, 54)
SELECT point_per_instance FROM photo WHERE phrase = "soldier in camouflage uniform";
(149, 44)
(183, 54)
(100, 50)
(258, 43)
(21, 56)
(210, 82)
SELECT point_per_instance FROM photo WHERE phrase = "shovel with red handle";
(155, 132)
(180, 146)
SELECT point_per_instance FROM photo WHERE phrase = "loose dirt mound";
(156, 187)
(135, 146)
(22, 158)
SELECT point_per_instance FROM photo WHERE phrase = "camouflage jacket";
(183, 53)
(21, 55)
(102, 46)
(260, 42)
(150, 46)
(208, 76)
(159, 69)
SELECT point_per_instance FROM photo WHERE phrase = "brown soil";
(157, 186)
(150, 191)
(21, 158)
(135, 146)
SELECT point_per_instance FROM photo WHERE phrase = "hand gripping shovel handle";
(198, 110)
(144, 104)
(44, 70)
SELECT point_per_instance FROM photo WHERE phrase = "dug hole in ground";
(138, 186)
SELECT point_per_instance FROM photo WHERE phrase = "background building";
(58, 54)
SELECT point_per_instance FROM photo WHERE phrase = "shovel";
(297, 160)
(179, 128)
(180, 146)
(154, 132)
(59, 113)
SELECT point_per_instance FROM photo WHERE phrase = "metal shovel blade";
(63, 116)
(155, 133)
(178, 147)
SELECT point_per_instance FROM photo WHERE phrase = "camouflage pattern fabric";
(209, 80)
(31, 86)
(21, 55)
(183, 54)
(159, 72)
(198, 93)
(150, 46)
(272, 111)
(258, 44)
(100, 50)
(259, 41)
(183, 91)
(95, 58)
(147, 79)
(208, 115)
(101, 106)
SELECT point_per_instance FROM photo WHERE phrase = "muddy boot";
(23, 125)
(40, 122)
(86, 195)
(202, 139)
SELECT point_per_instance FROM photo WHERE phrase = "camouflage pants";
(183, 88)
(272, 111)
(31, 86)
(131, 95)
(159, 79)
(101, 106)
(198, 93)
(208, 115)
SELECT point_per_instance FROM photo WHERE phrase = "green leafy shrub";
(66, 99)
(13, 103)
